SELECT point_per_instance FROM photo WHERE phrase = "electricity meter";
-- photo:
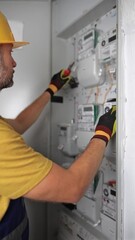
(107, 45)
(87, 68)
(85, 43)
(68, 139)
(87, 116)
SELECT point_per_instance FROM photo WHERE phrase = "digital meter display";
(63, 128)
(113, 193)
(88, 35)
(114, 31)
(112, 38)
(88, 109)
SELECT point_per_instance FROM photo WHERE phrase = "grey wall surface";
(31, 78)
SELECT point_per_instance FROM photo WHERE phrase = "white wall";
(31, 78)
(126, 109)
(69, 11)
(33, 63)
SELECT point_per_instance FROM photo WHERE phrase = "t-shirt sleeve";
(21, 168)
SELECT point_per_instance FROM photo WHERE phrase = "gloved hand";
(58, 81)
(106, 126)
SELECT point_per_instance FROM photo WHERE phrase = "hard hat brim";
(15, 44)
(19, 44)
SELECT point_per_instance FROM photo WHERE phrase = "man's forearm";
(30, 114)
(69, 185)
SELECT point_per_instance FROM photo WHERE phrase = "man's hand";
(106, 126)
(58, 81)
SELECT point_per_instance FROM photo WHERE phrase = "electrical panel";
(95, 57)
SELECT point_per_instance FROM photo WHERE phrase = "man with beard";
(25, 172)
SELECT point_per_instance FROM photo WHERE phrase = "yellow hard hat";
(6, 35)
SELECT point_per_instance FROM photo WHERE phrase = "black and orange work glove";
(106, 127)
(58, 81)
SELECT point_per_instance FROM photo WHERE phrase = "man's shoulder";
(6, 130)
(4, 124)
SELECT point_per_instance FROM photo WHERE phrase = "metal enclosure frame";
(120, 133)
(125, 28)
(125, 120)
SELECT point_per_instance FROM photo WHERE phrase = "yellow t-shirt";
(21, 168)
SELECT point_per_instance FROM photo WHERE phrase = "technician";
(25, 172)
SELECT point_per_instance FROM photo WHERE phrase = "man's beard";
(5, 80)
(6, 83)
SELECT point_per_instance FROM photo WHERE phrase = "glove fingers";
(113, 109)
(106, 126)
(67, 78)
(114, 129)
(113, 113)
